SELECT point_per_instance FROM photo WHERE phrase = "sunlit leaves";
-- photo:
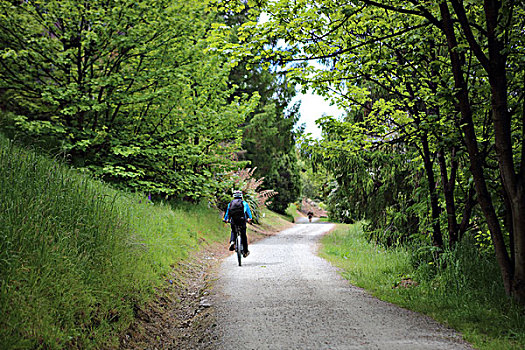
(133, 90)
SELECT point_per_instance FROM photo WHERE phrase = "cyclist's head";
(237, 194)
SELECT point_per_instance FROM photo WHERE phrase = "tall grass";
(465, 293)
(366, 265)
(76, 256)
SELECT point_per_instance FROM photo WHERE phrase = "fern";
(245, 181)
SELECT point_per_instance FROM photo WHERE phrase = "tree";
(467, 51)
(268, 132)
(129, 89)
(498, 38)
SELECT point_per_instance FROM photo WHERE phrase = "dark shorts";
(242, 226)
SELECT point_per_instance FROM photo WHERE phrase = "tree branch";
(424, 13)
(465, 25)
(467, 212)
(348, 49)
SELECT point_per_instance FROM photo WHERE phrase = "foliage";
(269, 141)
(77, 257)
(430, 82)
(292, 213)
(129, 89)
(268, 132)
(315, 183)
(462, 294)
(286, 179)
(244, 180)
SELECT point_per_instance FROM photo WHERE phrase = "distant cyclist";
(310, 215)
(238, 213)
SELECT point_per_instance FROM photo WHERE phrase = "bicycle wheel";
(239, 248)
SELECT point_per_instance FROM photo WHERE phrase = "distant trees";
(269, 138)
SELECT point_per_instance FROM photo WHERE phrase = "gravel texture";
(286, 297)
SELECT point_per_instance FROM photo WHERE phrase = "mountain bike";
(238, 242)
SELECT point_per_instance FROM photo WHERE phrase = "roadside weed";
(463, 295)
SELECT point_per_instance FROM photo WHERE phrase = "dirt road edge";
(181, 316)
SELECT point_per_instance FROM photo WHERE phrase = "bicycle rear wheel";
(238, 244)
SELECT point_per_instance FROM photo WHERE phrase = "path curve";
(286, 297)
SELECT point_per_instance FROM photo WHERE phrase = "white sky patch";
(312, 108)
(263, 17)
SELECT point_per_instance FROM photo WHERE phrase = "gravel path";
(285, 297)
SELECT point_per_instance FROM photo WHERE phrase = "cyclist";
(238, 213)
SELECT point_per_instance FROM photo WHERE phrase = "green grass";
(76, 257)
(292, 213)
(466, 296)
(274, 222)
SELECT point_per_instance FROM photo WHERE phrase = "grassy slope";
(274, 222)
(487, 323)
(293, 213)
(76, 256)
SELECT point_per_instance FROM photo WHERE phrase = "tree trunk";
(513, 183)
(448, 191)
(518, 210)
(437, 237)
(467, 213)
(476, 168)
